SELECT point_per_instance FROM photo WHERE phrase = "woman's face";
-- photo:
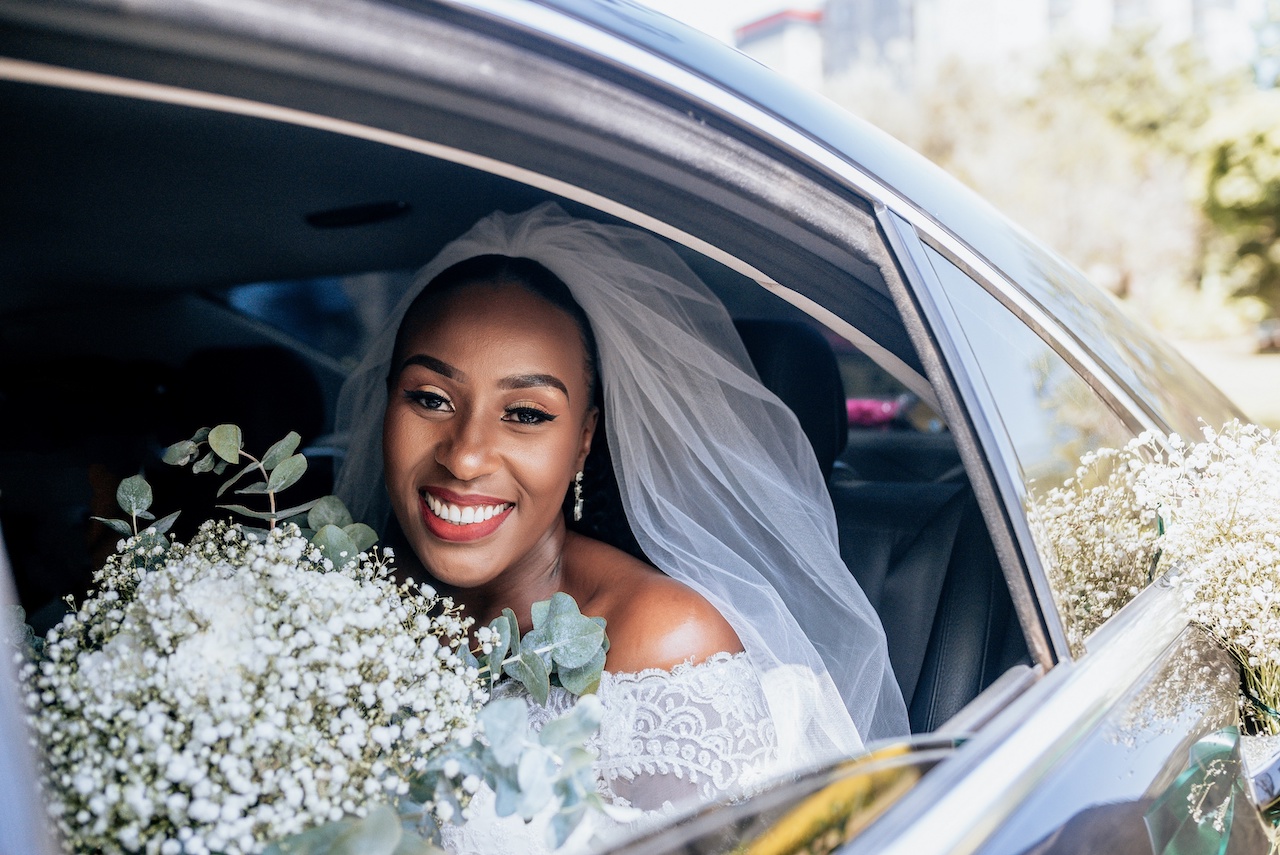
(488, 420)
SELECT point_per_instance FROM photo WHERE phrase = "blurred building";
(912, 38)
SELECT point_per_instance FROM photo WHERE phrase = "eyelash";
(523, 415)
(427, 400)
(537, 415)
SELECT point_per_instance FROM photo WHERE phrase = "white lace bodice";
(668, 740)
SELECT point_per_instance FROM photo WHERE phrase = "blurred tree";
(1241, 169)
(1093, 149)
(1158, 93)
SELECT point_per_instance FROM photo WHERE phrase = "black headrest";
(797, 364)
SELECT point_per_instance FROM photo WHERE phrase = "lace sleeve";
(668, 740)
(696, 733)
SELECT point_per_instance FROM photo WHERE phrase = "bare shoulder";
(652, 620)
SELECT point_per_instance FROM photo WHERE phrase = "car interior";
(170, 267)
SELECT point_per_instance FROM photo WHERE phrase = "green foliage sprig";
(328, 523)
(134, 498)
(564, 648)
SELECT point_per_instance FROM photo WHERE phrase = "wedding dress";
(669, 740)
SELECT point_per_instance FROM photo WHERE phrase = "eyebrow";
(518, 381)
(528, 381)
(437, 365)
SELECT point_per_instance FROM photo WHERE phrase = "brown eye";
(529, 415)
(428, 400)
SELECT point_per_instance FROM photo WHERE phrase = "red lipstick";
(461, 532)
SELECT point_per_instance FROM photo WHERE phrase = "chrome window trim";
(1128, 408)
(1015, 549)
(964, 801)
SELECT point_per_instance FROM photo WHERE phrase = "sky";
(720, 17)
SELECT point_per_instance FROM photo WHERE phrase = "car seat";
(920, 550)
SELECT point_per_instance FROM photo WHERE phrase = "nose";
(466, 448)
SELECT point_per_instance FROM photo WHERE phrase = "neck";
(535, 578)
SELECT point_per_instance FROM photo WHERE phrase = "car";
(210, 205)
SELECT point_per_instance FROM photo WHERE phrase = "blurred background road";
(1138, 138)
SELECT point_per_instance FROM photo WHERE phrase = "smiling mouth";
(462, 514)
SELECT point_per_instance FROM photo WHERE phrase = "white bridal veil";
(718, 481)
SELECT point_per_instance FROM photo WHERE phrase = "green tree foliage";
(1241, 169)
(1094, 148)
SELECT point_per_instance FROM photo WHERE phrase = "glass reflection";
(1076, 500)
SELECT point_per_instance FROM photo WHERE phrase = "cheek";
(397, 446)
(547, 467)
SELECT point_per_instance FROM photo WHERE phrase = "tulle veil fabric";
(717, 478)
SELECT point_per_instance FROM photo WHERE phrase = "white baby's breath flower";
(241, 692)
(1210, 509)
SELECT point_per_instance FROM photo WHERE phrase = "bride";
(741, 646)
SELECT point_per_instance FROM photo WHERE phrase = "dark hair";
(526, 273)
(604, 518)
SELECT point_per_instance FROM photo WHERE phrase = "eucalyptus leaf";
(181, 453)
(528, 668)
(575, 639)
(280, 451)
(118, 526)
(502, 629)
(287, 473)
(295, 510)
(565, 822)
(146, 515)
(571, 728)
(226, 442)
(578, 760)
(163, 524)
(133, 495)
(506, 793)
(514, 626)
(412, 844)
(537, 641)
(257, 488)
(230, 482)
(220, 467)
(205, 464)
(329, 510)
(201, 435)
(534, 774)
(602, 623)
(313, 841)
(361, 535)
(335, 545)
(506, 724)
(584, 679)
(250, 512)
(468, 658)
(378, 833)
(540, 610)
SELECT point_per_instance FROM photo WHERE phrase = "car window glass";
(1054, 420)
(337, 315)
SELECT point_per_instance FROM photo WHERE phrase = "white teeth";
(465, 515)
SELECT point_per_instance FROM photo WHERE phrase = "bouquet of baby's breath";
(1219, 503)
(276, 689)
(1099, 536)
(1208, 510)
